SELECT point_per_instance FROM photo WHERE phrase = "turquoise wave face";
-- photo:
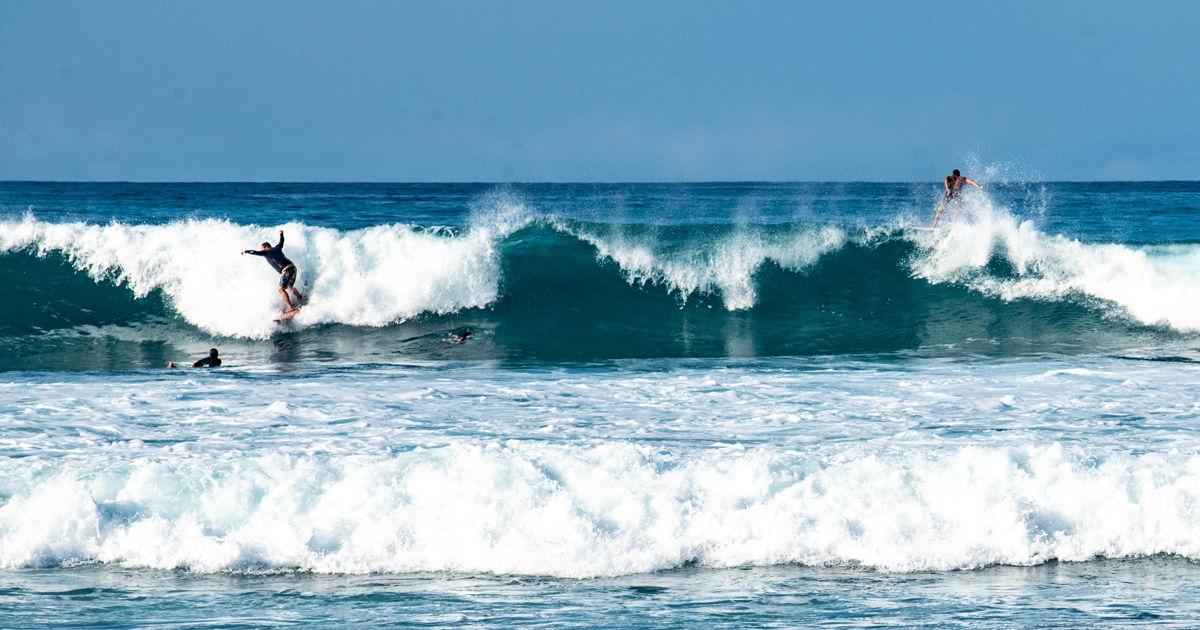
(111, 276)
(539, 288)
(44, 294)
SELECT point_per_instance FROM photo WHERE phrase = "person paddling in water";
(287, 270)
(954, 184)
(212, 360)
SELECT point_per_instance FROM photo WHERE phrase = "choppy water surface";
(689, 405)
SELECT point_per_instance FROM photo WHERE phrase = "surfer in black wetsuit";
(954, 184)
(212, 360)
(287, 270)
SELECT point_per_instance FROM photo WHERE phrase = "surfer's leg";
(940, 208)
(285, 299)
(287, 282)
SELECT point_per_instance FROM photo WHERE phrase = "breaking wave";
(556, 288)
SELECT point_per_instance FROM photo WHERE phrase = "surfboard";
(925, 229)
(287, 315)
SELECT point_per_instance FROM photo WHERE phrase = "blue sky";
(599, 91)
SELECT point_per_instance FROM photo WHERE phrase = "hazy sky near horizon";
(597, 91)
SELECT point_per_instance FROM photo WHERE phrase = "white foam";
(370, 277)
(725, 265)
(1152, 284)
(613, 508)
(600, 472)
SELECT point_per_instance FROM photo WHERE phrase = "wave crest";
(556, 288)
(996, 254)
(368, 277)
(725, 263)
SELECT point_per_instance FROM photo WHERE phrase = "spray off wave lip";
(546, 287)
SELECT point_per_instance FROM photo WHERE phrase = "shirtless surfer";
(954, 184)
(287, 271)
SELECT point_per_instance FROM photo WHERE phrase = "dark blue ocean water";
(720, 404)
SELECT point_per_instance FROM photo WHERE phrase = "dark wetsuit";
(278, 262)
(209, 361)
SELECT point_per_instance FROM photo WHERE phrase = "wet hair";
(212, 352)
(266, 246)
(956, 173)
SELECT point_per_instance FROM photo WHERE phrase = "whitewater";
(392, 273)
(724, 465)
(772, 403)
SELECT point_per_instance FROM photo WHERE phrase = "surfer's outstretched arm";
(266, 250)
(965, 179)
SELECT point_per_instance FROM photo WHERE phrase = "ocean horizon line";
(577, 183)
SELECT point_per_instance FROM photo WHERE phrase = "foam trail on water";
(368, 277)
(607, 509)
(1151, 284)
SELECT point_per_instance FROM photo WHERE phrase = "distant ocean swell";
(793, 285)
(606, 509)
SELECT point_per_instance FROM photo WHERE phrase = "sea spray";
(368, 277)
(533, 284)
(1151, 284)
(713, 260)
